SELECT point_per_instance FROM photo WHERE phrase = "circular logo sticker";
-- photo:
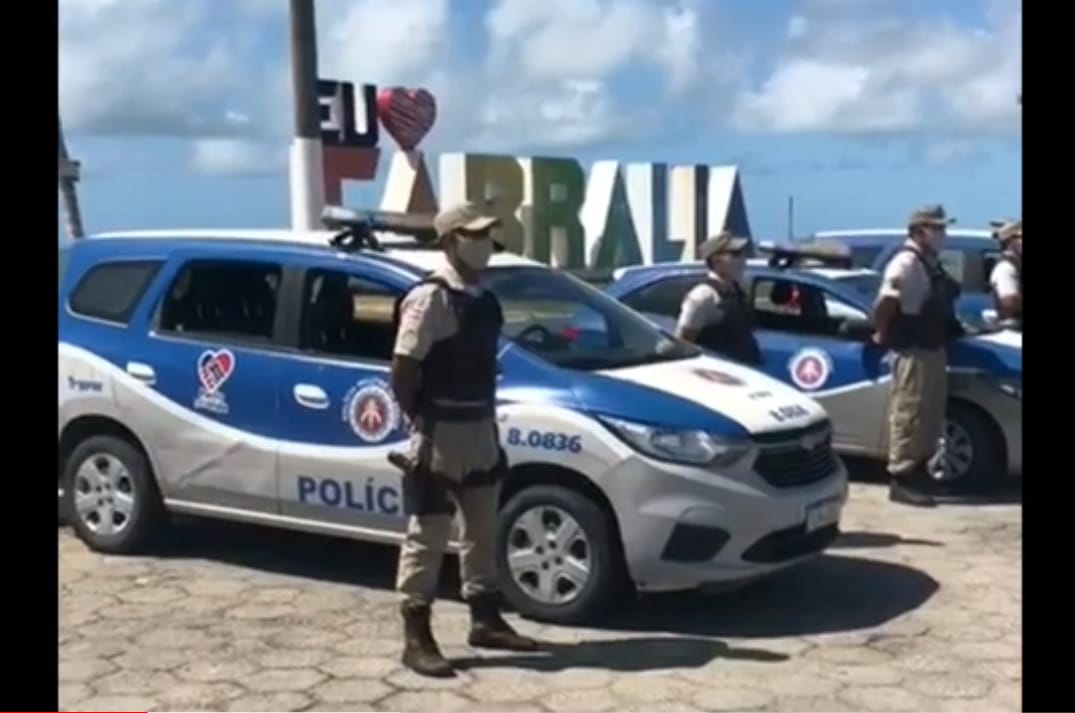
(810, 368)
(371, 410)
(719, 377)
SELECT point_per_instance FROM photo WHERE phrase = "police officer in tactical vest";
(716, 314)
(444, 373)
(915, 318)
(1006, 280)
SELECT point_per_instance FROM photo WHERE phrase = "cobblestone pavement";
(909, 611)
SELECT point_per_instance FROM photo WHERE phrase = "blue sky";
(860, 109)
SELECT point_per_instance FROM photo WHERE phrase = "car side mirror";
(857, 328)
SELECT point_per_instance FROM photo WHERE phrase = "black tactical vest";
(932, 327)
(732, 336)
(459, 373)
(1007, 257)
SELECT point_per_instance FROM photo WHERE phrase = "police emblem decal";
(810, 369)
(371, 410)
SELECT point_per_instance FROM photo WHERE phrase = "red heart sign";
(406, 114)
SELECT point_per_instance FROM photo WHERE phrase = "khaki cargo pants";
(917, 407)
(455, 451)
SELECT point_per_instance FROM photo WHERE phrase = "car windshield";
(866, 284)
(560, 318)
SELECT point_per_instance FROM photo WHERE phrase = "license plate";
(820, 514)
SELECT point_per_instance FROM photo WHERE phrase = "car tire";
(597, 548)
(119, 475)
(975, 442)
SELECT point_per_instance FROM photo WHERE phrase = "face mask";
(475, 254)
(935, 239)
(730, 267)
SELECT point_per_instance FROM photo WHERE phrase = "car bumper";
(684, 528)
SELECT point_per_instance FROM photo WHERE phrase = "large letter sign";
(549, 215)
(550, 209)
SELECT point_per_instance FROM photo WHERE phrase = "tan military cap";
(723, 242)
(930, 215)
(1005, 230)
(463, 216)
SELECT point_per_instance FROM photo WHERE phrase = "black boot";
(913, 488)
(489, 630)
(420, 651)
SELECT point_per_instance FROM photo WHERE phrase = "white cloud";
(538, 74)
(382, 41)
(557, 39)
(552, 64)
(145, 67)
(193, 68)
(855, 68)
(569, 113)
(238, 157)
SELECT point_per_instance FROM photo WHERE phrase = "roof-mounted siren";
(357, 229)
(819, 254)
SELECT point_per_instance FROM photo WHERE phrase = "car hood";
(997, 354)
(757, 402)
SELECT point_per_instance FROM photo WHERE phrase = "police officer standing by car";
(915, 318)
(716, 313)
(1006, 280)
(444, 371)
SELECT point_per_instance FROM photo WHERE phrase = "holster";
(481, 478)
(424, 492)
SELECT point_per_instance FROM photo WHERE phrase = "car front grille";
(789, 459)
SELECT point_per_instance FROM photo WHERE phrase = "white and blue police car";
(813, 324)
(242, 375)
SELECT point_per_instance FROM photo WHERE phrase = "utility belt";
(434, 410)
(428, 492)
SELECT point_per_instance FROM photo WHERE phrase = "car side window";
(780, 297)
(784, 305)
(662, 298)
(347, 316)
(836, 308)
(111, 291)
(223, 299)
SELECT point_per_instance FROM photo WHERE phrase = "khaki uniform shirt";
(905, 278)
(426, 317)
(1004, 280)
(701, 307)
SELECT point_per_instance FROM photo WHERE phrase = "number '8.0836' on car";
(545, 440)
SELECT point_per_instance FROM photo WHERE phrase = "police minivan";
(242, 374)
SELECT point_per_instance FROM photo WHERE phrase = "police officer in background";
(444, 372)
(915, 318)
(1006, 280)
(716, 313)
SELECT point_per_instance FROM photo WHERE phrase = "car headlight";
(689, 447)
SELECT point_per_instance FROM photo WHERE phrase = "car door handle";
(310, 396)
(142, 372)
